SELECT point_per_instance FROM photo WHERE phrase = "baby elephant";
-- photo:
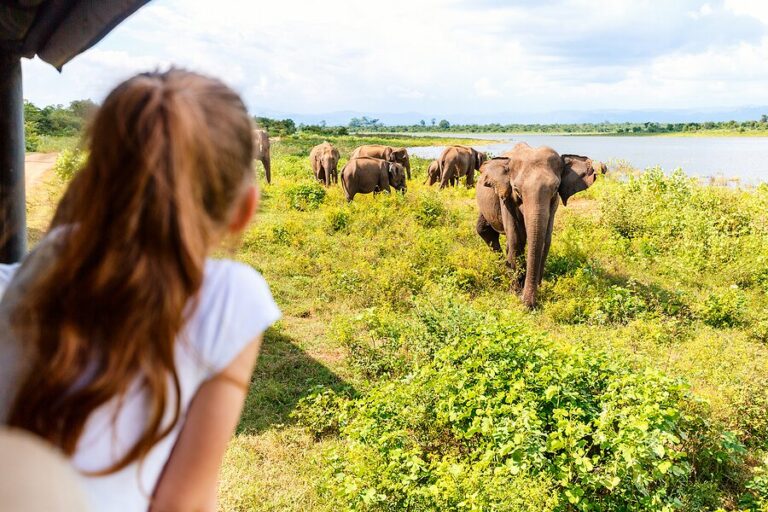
(433, 173)
(325, 159)
(365, 175)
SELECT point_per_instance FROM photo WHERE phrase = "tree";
(83, 109)
(423, 123)
(764, 118)
(434, 121)
(444, 124)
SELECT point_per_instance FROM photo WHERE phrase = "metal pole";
(13, 230)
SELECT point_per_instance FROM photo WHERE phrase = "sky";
(438, 57)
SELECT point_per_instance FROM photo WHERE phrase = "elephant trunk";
(535, 227)
(408, 168)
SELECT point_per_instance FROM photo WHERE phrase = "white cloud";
(757, 9)
(436, 56)
(704, 10)
(483, 88)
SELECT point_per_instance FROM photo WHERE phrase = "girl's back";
(118, 329)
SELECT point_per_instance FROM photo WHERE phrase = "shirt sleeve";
(6, 274)
(235, 309)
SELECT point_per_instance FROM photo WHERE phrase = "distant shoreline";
(484, 135)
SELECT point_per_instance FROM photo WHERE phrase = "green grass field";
(405, 376)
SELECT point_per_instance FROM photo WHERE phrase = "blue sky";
(441, 57)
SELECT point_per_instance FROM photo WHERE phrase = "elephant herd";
(517, 193)
(371, 169)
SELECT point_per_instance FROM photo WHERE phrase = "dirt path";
(36, 165)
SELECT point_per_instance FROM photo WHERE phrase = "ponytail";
(169, 154)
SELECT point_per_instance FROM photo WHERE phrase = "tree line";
(68, 121)
(603, 127)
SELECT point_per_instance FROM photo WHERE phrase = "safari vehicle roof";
(56, 31)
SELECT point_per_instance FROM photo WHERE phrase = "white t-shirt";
(235, 306)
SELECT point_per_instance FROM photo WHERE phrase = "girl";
(121, 342)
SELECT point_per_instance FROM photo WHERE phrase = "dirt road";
(36, 165)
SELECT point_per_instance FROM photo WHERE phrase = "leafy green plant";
(322, 411)
(31, 137)
(68, 163)
(430, 212)
(306, 196)
(337, 220)
(756, 497)
(724, 309)
(499, 404)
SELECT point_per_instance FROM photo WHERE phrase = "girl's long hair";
(169, 155)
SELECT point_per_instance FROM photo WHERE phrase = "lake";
(745, 158)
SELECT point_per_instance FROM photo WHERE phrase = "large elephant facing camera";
(261, 151)
(518, 195)
(398, 155)
(325, 160)
(458, 161)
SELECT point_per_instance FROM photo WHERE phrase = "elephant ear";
(497, 176)
(578, 174)
(481, 157)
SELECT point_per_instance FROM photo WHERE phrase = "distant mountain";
(747, 113)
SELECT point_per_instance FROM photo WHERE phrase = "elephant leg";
(548, 237)
(515, 233)
(267, 168)
(519, 249)
(487, 233)
(447, 177)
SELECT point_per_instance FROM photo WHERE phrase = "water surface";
(745, 158)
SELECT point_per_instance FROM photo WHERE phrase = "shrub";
(68, 163)
(31, 137)
(724, 309)
(756, 497)
(430, 212)
(498, 405)
(306, 196)
(337, 219)
(322, 411)
(759, 331)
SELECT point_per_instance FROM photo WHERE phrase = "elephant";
(365, 175)
(433, 173)
(261, 151)
(458, 161)
(517, 194)
(325, 160)
(399, 155)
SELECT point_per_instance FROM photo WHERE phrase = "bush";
(68, 163)
(337, 220)
(31, 137)
(430, 212)
(724, 309)
(306, 196)
(498, 405)
(322, 412)
(756, 497)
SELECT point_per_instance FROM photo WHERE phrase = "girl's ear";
(249, 202)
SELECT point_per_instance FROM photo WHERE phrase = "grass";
(657, 273)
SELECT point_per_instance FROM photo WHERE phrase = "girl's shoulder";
(234, 307)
